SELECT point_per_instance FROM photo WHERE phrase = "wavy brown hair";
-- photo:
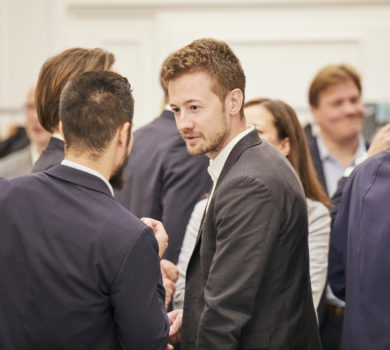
(212, 56)
(60, 69)
(287, 125)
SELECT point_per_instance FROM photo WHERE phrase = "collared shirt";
(217, 164)
(78, 166)
(34, 153)
(333, 170)
(57, 135)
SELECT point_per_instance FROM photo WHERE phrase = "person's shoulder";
(20, 186)
(373, 165)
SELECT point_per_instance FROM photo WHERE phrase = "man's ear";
(124, 131)
(236, 99)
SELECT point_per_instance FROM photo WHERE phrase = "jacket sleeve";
(138, 297)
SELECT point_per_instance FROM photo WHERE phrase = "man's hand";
(175, 318)
(380, 141)
(159, 232)
(169, 270)
(170, 274)
(170, 288)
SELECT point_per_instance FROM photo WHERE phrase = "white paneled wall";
(281, 43)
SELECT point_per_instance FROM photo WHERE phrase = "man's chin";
(194, 151)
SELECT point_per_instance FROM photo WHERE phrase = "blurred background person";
(336, 144)
(54, 74)
(21, 161)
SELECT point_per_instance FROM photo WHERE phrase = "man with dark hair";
(247, 284)
(78, 271)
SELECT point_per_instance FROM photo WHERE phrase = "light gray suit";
(16, 163)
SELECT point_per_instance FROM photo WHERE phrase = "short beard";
(116, 179)
(214, 145)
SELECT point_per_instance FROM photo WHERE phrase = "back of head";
(92, 107)
(211, 56)
(332, 75)
(288, 126)
(60, 69)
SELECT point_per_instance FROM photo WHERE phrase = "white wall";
(281, 43)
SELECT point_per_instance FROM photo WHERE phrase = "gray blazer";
(248, 284)
(17, 163)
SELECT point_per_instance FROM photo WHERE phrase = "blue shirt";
(333, 170)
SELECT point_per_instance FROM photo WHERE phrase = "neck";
(344, 150)
(229, 137)
(98, 165)
(39, 147)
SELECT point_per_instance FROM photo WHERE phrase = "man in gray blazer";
(78, 271)
(247, 284)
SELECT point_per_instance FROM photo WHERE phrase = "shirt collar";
(34, 153)
(216, 164)
(80, 167)
(326, 155)
(57, 135)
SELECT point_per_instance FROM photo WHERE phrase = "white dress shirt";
(84, 168)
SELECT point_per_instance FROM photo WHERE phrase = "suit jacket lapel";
(252, 139)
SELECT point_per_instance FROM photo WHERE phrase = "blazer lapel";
(250, 140)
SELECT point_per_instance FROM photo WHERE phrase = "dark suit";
(359, 260)
(77, 270)
(52, 155)
(248, 284)
(163, 181)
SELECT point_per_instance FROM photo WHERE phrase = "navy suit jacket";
(247, 282)
(163, 181)
(52, 155)
(359, 259)
(77, 270)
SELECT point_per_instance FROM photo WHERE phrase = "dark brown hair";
(287, 125)
(92, 107)
(332, 75)
(212, 56)
(60, 69)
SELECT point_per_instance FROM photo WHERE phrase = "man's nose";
(184, 122)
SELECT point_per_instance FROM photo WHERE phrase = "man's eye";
(194, 108)
(176, 110)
